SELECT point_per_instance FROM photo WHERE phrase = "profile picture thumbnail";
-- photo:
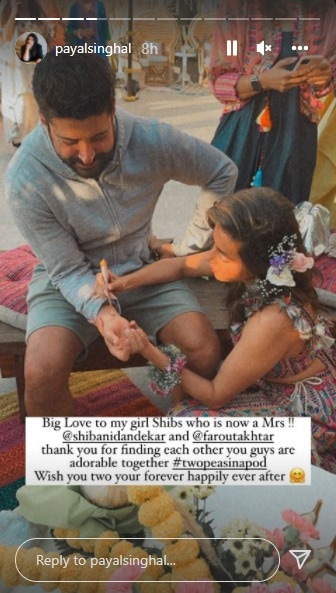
(31, 48)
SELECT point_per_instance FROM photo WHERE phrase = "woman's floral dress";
(314, 396)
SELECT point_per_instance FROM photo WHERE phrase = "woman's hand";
(114, 285)
(280, 79)
(138, 339)
(321, 75)
(119, 334)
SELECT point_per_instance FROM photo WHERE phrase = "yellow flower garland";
(157, 511)
(184, 553)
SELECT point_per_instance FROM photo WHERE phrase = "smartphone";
(308, 61)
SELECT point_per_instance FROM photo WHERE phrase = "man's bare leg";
(50, 356)
(194, 334)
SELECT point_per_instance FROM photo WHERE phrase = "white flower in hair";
(279, 277)
(283, 259)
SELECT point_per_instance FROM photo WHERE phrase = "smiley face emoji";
(297, 476)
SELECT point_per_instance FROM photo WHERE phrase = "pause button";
(232, 47)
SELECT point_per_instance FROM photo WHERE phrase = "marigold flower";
(8, 572)
(121, 548)
(166, 586)
(88, 545)
(74, 543)
(156, 509)
(192, 572)
(139, 494)
(62, 533)
(70, 573)
(182, 552)
(171, 528)
(26, 563)
(152, 572)
(104, 542)
(48, 573)
(138, 553)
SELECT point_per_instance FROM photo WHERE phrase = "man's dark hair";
(76, 87)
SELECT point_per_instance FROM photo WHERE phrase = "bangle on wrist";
(163, 381)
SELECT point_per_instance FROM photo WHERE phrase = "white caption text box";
(199, 451)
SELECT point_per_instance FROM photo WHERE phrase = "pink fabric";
(225, 70)
(327, 267)
(16, 268)
(17, 265)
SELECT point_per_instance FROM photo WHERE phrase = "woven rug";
(98, 393)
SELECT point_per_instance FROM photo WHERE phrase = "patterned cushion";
(327, 267)
(16, 268)
(17, 265)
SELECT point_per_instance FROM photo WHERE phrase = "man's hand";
(113, 329)
(161, 249)
(166, 250)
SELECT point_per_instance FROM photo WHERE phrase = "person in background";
(271, 109)
(93, 31)
(18, 106)
(323, 189)
(31, 51)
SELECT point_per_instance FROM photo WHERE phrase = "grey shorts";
(152, 307)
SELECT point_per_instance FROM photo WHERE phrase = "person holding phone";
(271, 97)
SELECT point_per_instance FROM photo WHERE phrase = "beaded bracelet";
(163, 381)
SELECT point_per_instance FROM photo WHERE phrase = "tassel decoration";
(264, 120)
(258, 178)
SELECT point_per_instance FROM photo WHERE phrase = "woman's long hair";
(33, 52)
(259, 218)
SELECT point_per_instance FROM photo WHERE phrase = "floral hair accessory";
(284, 259)
(163, 381)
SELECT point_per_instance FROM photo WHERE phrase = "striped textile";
(96, 393)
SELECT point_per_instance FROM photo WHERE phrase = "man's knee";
(50, 355)
(196, 337)
(204, 352)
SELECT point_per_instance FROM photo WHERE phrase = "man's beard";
(94, 170)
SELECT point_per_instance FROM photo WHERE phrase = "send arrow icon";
(300, 556)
